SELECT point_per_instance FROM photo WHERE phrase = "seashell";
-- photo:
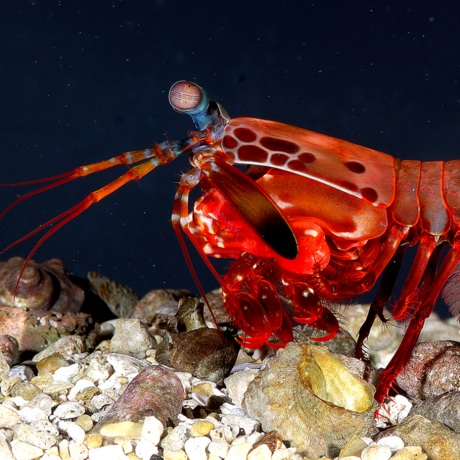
(312, 399)
(41, 287)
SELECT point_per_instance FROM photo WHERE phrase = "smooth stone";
(78, 451)
(146, 450)
(108, 453)
(195, 448)
(237, 452)
(24, 451)
(394, 443)
(41, 401)
(201, 428)
(51, 363)
(7, 384)
(101, 400)
(131, 430)
(93, 440)
(5, 451)
(376, 453)
(152, 430)
(87, 394)
(175, 455)
(85, 422)
(25, 373)
(29, 415)
(261, 452)
(220, 448)
(125, 443)
(66, 373)
(8, 417)
(410, 453)
(175, 440)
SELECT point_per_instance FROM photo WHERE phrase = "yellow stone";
(86, 422)
(175, 455)
(204, 389)
(130, 430)
(93, 440)
(52, 363)
(125, 443)
(201, 428)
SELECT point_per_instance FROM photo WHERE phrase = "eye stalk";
(187, 97)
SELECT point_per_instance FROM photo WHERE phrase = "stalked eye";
(185, 96)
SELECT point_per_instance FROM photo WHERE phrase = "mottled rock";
(156, 391)
(66, 346)
(36, 438)
(25, 373)
(160, 304)
(444, 408)
(131, 338)
(119, 298)
(312, 399)
(26, 390)
(432, 370)
(437, 440)
(36, 329)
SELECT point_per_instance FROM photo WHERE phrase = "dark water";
(83, 81)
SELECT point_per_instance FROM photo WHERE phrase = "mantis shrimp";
(313, 220)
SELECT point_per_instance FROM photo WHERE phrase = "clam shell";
(312, 399)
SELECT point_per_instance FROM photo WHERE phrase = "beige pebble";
(239, 451)
(410, 453)
(85, 422)
(93, 440)
(261, 452)
(125, 443)
(175, 455)
(8, 417)
(130, 430)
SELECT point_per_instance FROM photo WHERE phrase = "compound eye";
(185, 96)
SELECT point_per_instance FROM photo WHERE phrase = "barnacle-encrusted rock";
(312, 399)
(36, 329)
(42, 286)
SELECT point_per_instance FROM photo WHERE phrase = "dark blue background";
(83, 81)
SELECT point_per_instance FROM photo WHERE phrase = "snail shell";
(42, 286)
(312, 399)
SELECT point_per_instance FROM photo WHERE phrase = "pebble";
(85, 422)
(24, 451)
(239, 451)
(108, 452)
(145, 449)
(201, 428)
(93, 440)
(78, 451)
(25, 373)
(376, 452)
(8, 417)
(195, 448)
(394, 443)
(51, 363)
(36, 438)
(152, 430)
(261, 452)
(69, 410)
(131, 430)
(131, 338)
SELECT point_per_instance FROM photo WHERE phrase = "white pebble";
(28, 415)
(24, 451)
(398, 409)
(66, 373)
(108, 453)
(152, 430)
(247, 424)
(78, 451)
(394, 443)
(376, 452)
(145, 449)
(68, 410)
(195, 448)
